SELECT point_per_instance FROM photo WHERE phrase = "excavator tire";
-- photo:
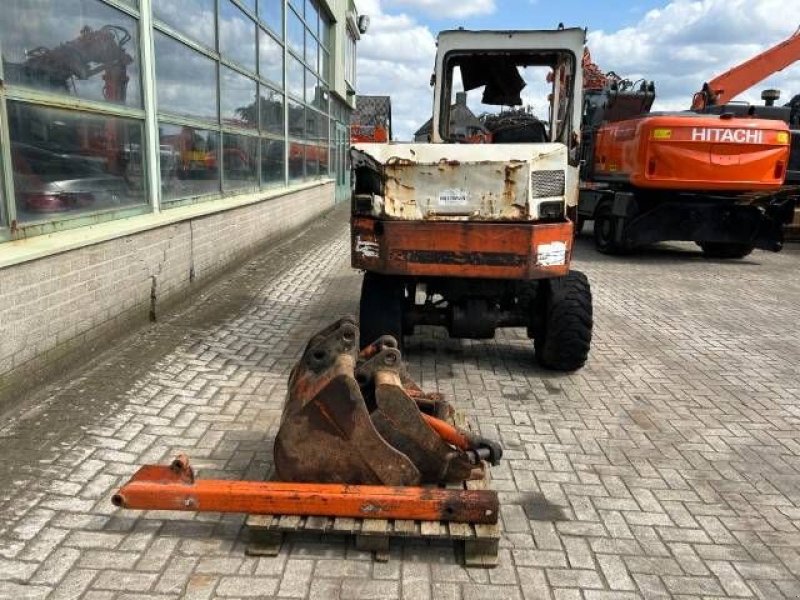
(563, 339)
(381, 308)
(725, 250)
(605, 232)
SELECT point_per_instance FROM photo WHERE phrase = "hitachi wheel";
(381, 308)
(564, 334)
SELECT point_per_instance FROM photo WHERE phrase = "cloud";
(442, 9)
(396, 58)
(688, 42)
(680, 46)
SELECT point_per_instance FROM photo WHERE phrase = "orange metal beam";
(740, 78)
(156, 487)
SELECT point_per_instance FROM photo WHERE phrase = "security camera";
(363, 24)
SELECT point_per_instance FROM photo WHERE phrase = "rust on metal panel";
(449, 248)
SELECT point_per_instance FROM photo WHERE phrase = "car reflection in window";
(48, 181)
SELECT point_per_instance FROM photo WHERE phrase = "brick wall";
(57, 310)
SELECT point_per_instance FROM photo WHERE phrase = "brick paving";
(668, 467)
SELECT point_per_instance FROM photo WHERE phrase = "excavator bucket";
(357, 418)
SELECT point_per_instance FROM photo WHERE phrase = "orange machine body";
(691, 152)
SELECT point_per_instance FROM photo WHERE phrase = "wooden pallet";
(479, 542)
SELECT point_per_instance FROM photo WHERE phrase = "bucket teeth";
(356, 418)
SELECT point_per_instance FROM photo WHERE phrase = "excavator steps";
(479, 541)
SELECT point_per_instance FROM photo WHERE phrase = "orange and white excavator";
(713, 175)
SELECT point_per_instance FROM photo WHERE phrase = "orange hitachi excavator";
(713, 175)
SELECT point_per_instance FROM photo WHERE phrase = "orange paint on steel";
(474, 249)
(156, 487)
(447, 432)
(693, 152)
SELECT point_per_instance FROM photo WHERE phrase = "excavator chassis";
(358, 438)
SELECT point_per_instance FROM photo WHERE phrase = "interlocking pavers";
(669, 465)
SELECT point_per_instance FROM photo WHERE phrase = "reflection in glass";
(321, 99)
(186, 81)
(272, 162)
(240, 161)
(271, 13)
(271, 111)
(325, 32)
(189, 161)
(313, 156)
(324, 154)
(295, 32)
(83, 48)
(251, 4)
(238, 99)
(312, 17)
(270, 53)
(325, 65)
(198, 26)
(312, 48)
(67, 162)
(237, 35)
(295, 82)
(297, 119)
(296, 159)
(311, 87)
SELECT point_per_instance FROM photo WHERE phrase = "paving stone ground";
(668, 467)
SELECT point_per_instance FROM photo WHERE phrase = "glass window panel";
(271, 13)
(325, 67)
(238, 99)
(189, 161)
(311, 50)
(325, 32)
(239, 160)
(295, 32)
(296, 160)
(272, 160)
(82, 48)
(297, 119)
(186, 81)
(193, 18)
(237, 35)
(68, 162)
(270, 59)
(295, 74)
(324, 155)
(298, 5)
(251, 4)
(271, 111)
(312, 87)
(312, 16)
(321, 99)
(312, 160)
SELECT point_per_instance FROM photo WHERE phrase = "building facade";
(146, 144)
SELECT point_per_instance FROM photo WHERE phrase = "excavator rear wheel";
(725, 250)
(605, 232)
(381, 308)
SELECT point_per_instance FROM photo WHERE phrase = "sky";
(678, 44)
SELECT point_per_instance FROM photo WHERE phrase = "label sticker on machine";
(367, 248)
(453, 197)
(551, 255)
